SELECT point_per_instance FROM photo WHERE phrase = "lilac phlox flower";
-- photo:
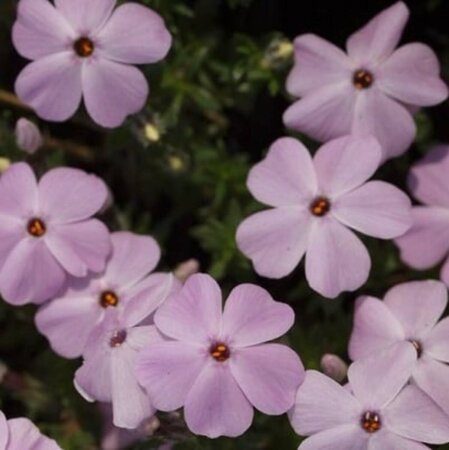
(109, 358)
(408, 314)
(314, 202)
(28, 137)
(47, 231)
(67, 321)
(376, 411)
(83, 49)
(217, 365)
(426, 243)
(21, 434)
(372, 89)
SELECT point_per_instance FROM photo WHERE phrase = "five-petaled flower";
(47, 231)
(314, 201)
(375, 411)
(84, 49)
(409, 314)
(217, 364)
(373, 89)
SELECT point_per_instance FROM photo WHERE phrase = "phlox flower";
(372, 89)
(47, 231)
(28, 137)
(217, 364)
(21, 434)
(67, 321)
(314, 201)
(83, 49)
(426, 243)
(109, 358)
(408, 314)
(373, 412)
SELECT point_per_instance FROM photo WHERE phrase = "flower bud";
(334, 367)
(28, 137)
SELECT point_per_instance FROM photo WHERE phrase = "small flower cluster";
(151, 342)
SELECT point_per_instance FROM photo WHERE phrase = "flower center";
(362, 79)
(220, 352)
(371, 422)
(84, 47)
(108, 298)
(36, 227)
(118, 338)
(320, 206)
(418, 346)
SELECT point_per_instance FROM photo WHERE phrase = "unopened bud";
(28, 137)
(334, 367)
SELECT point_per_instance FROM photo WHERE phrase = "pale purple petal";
(3, 431)
(376, 208)
(31, 273)
(444, 272)
(426, 243)
(321, 403)
(28, 137)
(269, 375)
(389, 121)
(131, 405)
(251, 316)
(345, 163)
(23, 434)
(193, 314)
(168, 371)
(428, 178)
(18, 192)
(134, 34)
(433, 378)
(215, 406)
(414, 415)
(324, 114)
(411, 75)
(80, 247)
(147, 296)
(275, 240)
(86, 16)
(336, 259)
(377, 379)
(67, 323)
(40, 30)
(385, 440)
(11, 233)
(112, 91)
(317, 63)
(417, 305)
(51, 86)
(375, 328)
(69, 195)
(285, 177)
(345, 437)
(436, 342)
(379, 37)
(133, 257)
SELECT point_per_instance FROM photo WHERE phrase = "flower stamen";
(118, 338)
(36, 227)
(371, 422)
(220, 352)
(418, 346)
(362, 79)
(320, 206)
(109, 298)
(84, 47)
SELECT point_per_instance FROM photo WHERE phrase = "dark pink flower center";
(362, 79)
(84, 47)
(220, 351)
(418, 346)
(320, 206)
(118, 338)
(371, 422)
(108, 298)
(36, 227)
